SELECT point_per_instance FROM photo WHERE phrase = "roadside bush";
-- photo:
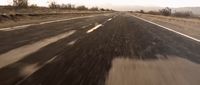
(54, 5)
(153, 12)
(183, 14)
(94, 9)
(109, 10)
(141, 11)
(81, 8)
(102, 9)
(67, 6)
(166, 11)
(33, 6)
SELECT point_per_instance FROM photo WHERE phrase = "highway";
(81, 51)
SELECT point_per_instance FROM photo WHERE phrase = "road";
(81, 51)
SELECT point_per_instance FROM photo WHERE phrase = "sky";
(115, 3)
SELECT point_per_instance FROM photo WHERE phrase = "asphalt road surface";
(81, 51)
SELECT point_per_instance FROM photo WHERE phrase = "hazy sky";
(107, 3)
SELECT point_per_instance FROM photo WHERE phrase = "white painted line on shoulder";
(41, 23)
(195, 39)
(65, 19)
(94, 28)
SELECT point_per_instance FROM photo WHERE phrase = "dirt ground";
(189, 26)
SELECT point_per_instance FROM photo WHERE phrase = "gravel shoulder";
(188, 26)
(24, 19)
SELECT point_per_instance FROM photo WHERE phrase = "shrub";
(109, 10)
(102, 9)
(53, 5)
(153, 12)
(67, 6)
(81, 8)
(94, 9)
(141, 11)
(166, 11)
(33, 6)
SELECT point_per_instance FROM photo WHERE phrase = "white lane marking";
(49, 61)
(25, 26)
(83, 26)
(86, 26)
(72, 42)
(195, 39)
(94, 28)
(109, 19)
(115, 16)
(21, 52)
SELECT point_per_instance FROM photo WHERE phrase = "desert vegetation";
(54, 5)
(21, 12)
(23, 6)
(169, 12)
(166, 11)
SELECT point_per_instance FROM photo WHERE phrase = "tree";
(20, 3)
(166, 11)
